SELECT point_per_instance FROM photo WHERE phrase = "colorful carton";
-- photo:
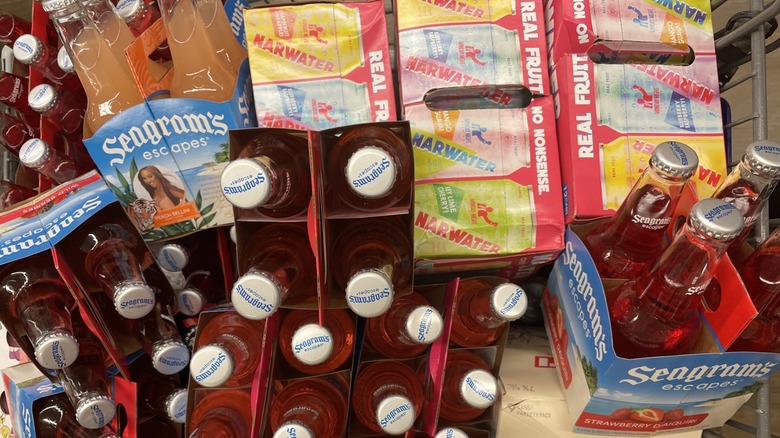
(26, 387)
(331, 65)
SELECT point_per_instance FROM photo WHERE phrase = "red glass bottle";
(311, 407)
(227, 351)
(629, 242)
(469, 387)
(271, 175)
(12, 27)
(32, 293)
(314, 349)
(64, 62)
(761, 276)
(30, 50)
(375, 264)
(57, 419)
(139, 15)
(38, 155)
(60, 107)
(222, 414)
(279, 265)
(15, 133)
(161, 395)
(160, 338)
(387, 397)
(482, 311)
(656, 314)
(406, 329)
(201, 288)
(11, 194)
(369, 168)
(13, 93)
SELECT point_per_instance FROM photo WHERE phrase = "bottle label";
(651, 223)
(17, 92)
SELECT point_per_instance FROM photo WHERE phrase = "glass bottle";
(29, 50)
(469, 387)
(222, 414)
(58, 107)
(200, 289)
(656, 314)
(12, 27)
(279, 265)
(161, 395)
(311, 407)
(11, 194)
(629, 242)
(218, 27)
(15, 133)
(13, 93)
(139, 15)
(314, 349)
(57, 419)
(387, 397)
(42, 158)
(406, 329)
(158, 334)
(64, 62)
(190, 253)
(483, 311)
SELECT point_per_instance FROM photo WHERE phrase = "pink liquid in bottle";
(222, 414)
(406, 329)
(60, 107)
(483, 311)
(15, 133)
(314, 349)
(30, 50)
(12, 27)
(11, 194)
(57, 419)
(387, 397)
(39, 156)
(13, 93)
(469, 387)
(313, 407)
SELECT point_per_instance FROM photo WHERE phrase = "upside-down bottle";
(57, 419)
(223, 414)
(469, 387)
(161, 395)
(30, 50)
(33, 293)
(139, 15)
(11, 194)
(227, 351)
(314, 349)
(13, 93)
(406, 329)
(160, 338)
(190, 253)
(312, 407)
(200, 289)
(64, 62)
(749, 186)
(451, 432)
(15, 133)
(59, 107)
(12, 27)
(761, 275)
(482, 311)
(375, 263)
(271, 175)
(656, 314)
(387, 397)
(629, 242)
(370, 168)
(44, 159)
(279, 266)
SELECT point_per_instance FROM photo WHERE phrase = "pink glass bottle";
(632, 240)
(200, 289)
(222, 414)
(139, 15)
(656, 314)
(57, 419)
(161, 395)
(279, 265)
(30, 50)
(12, 27)
(314, 349)
(311, 407)
(483, 311)
(44, 159)
(406, 329)
(13, 93)
(469, 387)
(59, 107)
(387, 397)
(160, 338)
(11, 194)
(15, 133)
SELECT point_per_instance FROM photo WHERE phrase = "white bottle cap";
(479, 389)
(176, 406)
(34, 153)
(173, 257)
(26, 48)
(134, 300)
(246, 183)
(190, 301)
(369, 293)
(395, 414)
(95, 412)
(212, 366)
(293, 430)
(64, 61)
(256, 295)
(424, 325)
(451, 432)
(233, 235)
(370, 172)
(42, 97)
(509, 301)
(170, 357)
(56, 350)
(127, 9)
(312, 344)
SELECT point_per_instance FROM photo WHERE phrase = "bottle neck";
(761, 276)
(477, 310)
(746, 189)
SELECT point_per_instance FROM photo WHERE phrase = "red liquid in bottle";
(13, 93)
(279, 265)
(161, 395)
(38, 155)
(483, 311)
(30, 50)
(11, 194)
(369, 168)
(222, 414)
(200, 289)
(469, 387)
(12, 27)
(375, 263)
(271, 176)
(160, 338)
(312, 349)
(406, 329)
(313, 407)
(60, 107)
(57, 419)
(228, 351)
(387, 397)
(139, 15)
(15, 133)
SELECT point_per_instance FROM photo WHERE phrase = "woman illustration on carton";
(165, 194)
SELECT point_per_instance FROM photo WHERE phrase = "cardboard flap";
(261, 382)
(138, 58)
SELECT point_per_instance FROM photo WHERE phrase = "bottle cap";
(212, 366)
(256, 295)
(716, 218)
(764, 157)
(246, 183)
(128, 9)
(478, 389)
(176, 406)
(64, 61)
(53, 5)
(424, 324)
(509, 301)
(369, 293)
(190, 301)
(34, 153)
(312, 344)
(395, 414)
(170, 357)
(233, 235)
(133, 300)
(675, 159)
(173, 257)
(27, 48)
(370, 172)
(95, 411)
(451, 432)
(56, 350)
(293, 430)
(42, 97)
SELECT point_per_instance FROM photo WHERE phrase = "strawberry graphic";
(674, 414)
(648, 415)
(621, 414)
